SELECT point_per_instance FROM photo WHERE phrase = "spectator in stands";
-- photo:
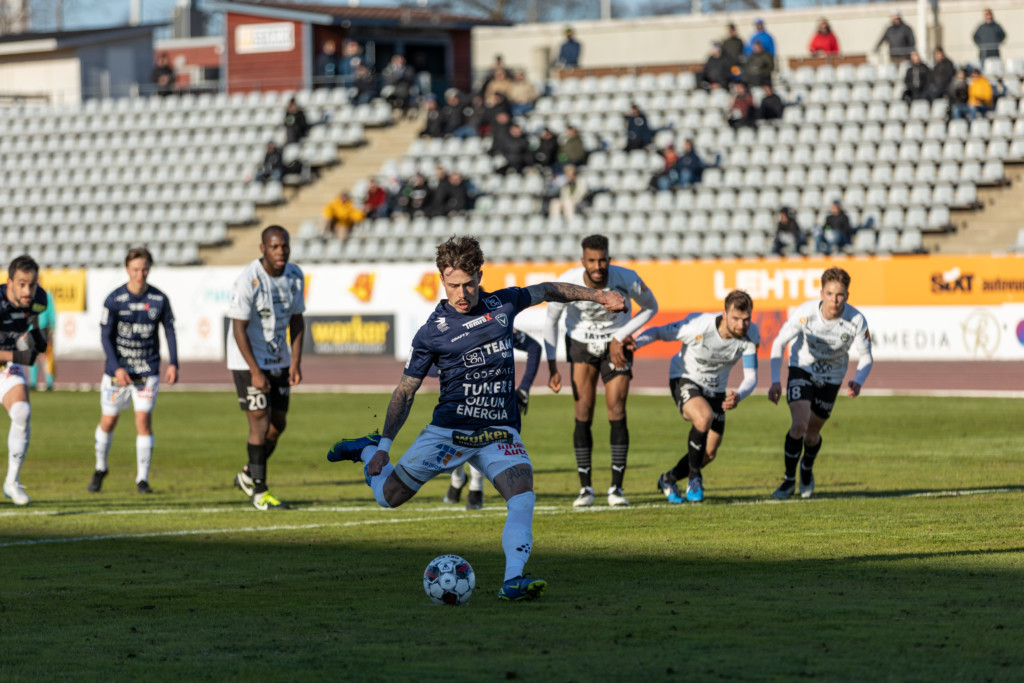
(499, 85)
(434, 126)
(328, 65)
(365, 85)
(163, 75)
(824, 43)
(836, 233)
(988, 38)
(917, 79)
(638, 132)
(342, 213)
(571, 150)
(718, 70)
(941, 76)
(499, 131)
(900, 38)
(771, 105)
(452, 197)
(392, 187)
(668, 177)
(454, 116)
(400, 79)
(572, 192)
(521, 95)
(690, 165)
(438, 192)
(478, 116)
(499, 65)
(273, 166)
(375, 204)
(760, 36)
(413, 197)
(350, 62)
(569, 53)
(732, 46)
(788, 237)
(546, 153)
(957, 95)
(980, 96)
(497, 115)
(295, 125)
(515, 148)
(742, 111)
(760, 66)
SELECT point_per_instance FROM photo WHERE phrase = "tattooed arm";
(400, 405)
(563, 292)
(398, 412)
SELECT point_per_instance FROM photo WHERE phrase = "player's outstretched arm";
(398, 413)
(563, 292)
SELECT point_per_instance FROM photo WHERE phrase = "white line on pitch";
(494, 512)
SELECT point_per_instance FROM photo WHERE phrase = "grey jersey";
(268, 304)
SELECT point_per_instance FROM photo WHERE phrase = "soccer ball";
(449, 580)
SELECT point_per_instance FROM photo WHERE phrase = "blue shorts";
(492, 450)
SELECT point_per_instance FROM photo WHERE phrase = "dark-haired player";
(129, 326)
(594, 343)
(267, 303)
(698, 374)
(476, 421)
(21, 302)
(821, 332)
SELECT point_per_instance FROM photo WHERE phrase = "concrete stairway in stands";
(307, 202)
(989, 231)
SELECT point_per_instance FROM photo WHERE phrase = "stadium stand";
(79, 185)
(898, 168)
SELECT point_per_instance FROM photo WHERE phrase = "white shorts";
(492, 450)
(114, 397)
(11, 376)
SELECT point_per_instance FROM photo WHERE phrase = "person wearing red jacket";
(824, 43)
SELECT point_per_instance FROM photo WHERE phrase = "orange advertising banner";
(778, 284)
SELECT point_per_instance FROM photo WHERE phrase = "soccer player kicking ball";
(21, 301)
(267, 303)
(697, 376)
(594, 342)
(469, 338)
(475, 500)
(129, 323)
(821, 333)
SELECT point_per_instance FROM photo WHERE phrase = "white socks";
(17, 438)
(517, 537)
(103, 440)
(376, 483)
(476, 481)
(143, 454)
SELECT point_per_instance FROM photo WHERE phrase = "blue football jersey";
(15, 321)
(473, 353)
(129, 331)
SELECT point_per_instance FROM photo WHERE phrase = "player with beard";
(712, 343)
(476, 421)
(21, 302)
(267, 303)
(597, 347)
(822, 333)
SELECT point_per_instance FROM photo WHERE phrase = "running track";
(368, 373)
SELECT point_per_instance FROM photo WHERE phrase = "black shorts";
(251, 399)
(683, 389)
(581, 352)
(800, 386)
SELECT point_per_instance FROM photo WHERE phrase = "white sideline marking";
(492, 512)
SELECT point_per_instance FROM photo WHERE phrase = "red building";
(275, 45)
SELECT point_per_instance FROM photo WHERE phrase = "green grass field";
(907, 565)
